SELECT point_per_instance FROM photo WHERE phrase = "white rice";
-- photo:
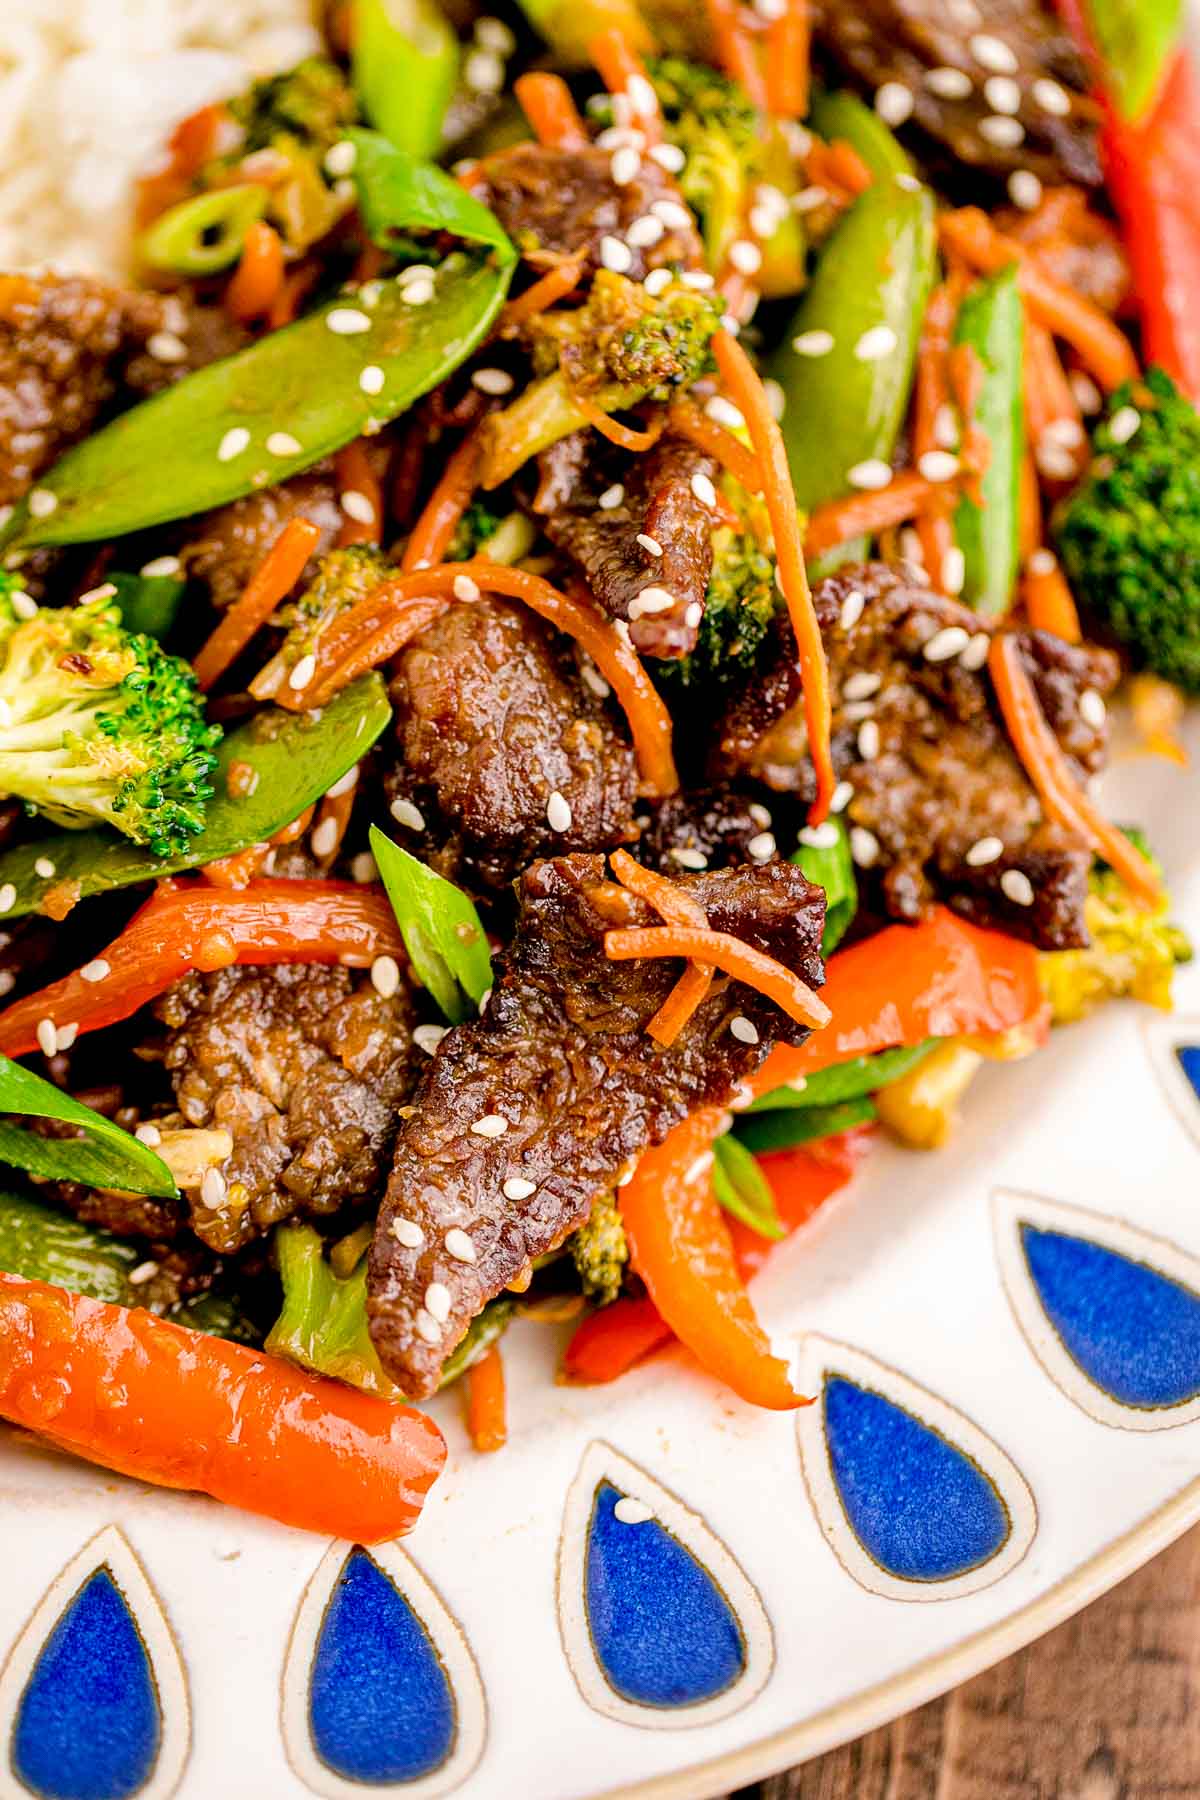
(89, 92)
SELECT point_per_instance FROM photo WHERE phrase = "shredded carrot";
(1048, 769)
(1103, 349)
(354, 475)
(449, 500)
(370, 262)
(685, 418)
(256, 281)
(908, 495)
(553, 286)
(1049, 397)
(240, 869)
(788, 61)
(735, 49)
(622, 71)
(624, 436)
(336, 809)
(381, 623)
(931, 401)
(487, 1419)
(546, 102)
(729, 954)
(740, 377)
(1029, 507)
(967, 377)
(1049, 603)
(674, 907)
(848, 168)
(274, 578)
(293, 291)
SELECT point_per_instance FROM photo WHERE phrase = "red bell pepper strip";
(135, 1393)
(195, 926)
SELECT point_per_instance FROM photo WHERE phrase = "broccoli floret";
(1129, 537)
(741, 601)
(310, 105)
(620, 347)
(323, 1322)
(343, 577)
(98, 724)
(1134, 952)
(600, 1252)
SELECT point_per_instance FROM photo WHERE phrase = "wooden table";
(1105, 1708)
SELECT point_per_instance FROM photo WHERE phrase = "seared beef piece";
(717, 824)
(305, 1067)
(225, 546)
(906, 41)
(1078, 246)
(658, 503)
(945, 775)
(493, 720)
(561, 1055)
(553, 202)
(128, 1215)
(71, 349)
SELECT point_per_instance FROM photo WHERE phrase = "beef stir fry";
(548, 654)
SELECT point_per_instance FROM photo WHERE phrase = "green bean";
(203, 235)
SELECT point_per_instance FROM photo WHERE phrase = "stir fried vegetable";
(989, 338)
(92, 1150)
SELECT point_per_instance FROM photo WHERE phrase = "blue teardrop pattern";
(1188, 1058)
(88, 1725)
(381, 1708)
(663, 1632)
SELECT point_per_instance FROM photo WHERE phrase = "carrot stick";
(746, 390)
(729, 954)
(735, 50)
(1102, 348)
(546, 102)
(381, 623)
(292, 293)
(907, 496)
(674, 907)
(553, 286)
(135, 1393)
(1049, 397)
(685, 418)
(354, 475)
(274, 578)
(1048, 770)
(622, 71)
(487, 1421)
(259, 275)
(1029, 507)
(1049, 603)
(449, 500)
(624, 436)
(789, 49)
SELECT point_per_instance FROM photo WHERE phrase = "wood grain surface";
(1105, 1708)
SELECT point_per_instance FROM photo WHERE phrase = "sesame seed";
(1086, 393)
(624, 165)
(852, 609)
(385, 976)
(1092, 709)
(954, 570)
(658, 280)
(592, 678)
(976, 652)
(282, 443)
(1043, 562)
(344, 784)
(875, 344)
(483, 71)
(437, 1301)
(105, 591)
(857, 711)
(161, 565)
(649, 544)
(492, 1125)
(357, 505)
(745, 256)
(764, 221)
(703, 489)
(945, 427)
(145, 1271)
(810, 199)
(364, 868)
(762, 846)
(693, 612)
(651, 600)
(417, 293)
(820, 837)
(894, 102)
(907, 182)
(43, 867)
(647, 231)
(213, 1187)
(873, 474)
(864, 847)
(405, 813)
(1124, 424)
(1016, 886)
(868, 740)
(465, 588)
(1002, 94)
(303, 673)
(669, 157)
(427, 1327)
(428, 1037)
(677, 218)
(993, 53)
(558, 812)
(24, 605)
(841, 797)
(723, 412)
(949, 84)
(408, 1233)
(861, 686)
(1003, 132)
(235, 441)
(611, 497)
(743, 1029)
(371, 379)
(97, 970)
(1068, 433)
(347, 321)
(517, 1188)
(165, 347)
(340, 158)
(495, 35)
(985, 851)
(8, 897)
(910, 547)
(47, 1037)
(629, 1511)
(616, 255)
(67, 1034)
(688, 858)
(642, 96)
(1051, 97)
(459, 1246)
(148, 1134)
(1056, 463)
(938, 465)
(1025, 190)
(950, 641)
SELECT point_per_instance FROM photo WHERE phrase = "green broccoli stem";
(323, 1321)
(41, 1244)
(544, 413)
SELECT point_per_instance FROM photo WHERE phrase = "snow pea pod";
(1134, 40)
(204, 441)
(405, 70)
(284, 760)
(842, 115)
(991, 323)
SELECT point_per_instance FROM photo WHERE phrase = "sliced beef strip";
(553, 202)
(225, 546)
(944, 775)
(305, 1067)
(561, 1055)
(699, 828)
(492, 721)
(657, 502)
(1021, 41)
